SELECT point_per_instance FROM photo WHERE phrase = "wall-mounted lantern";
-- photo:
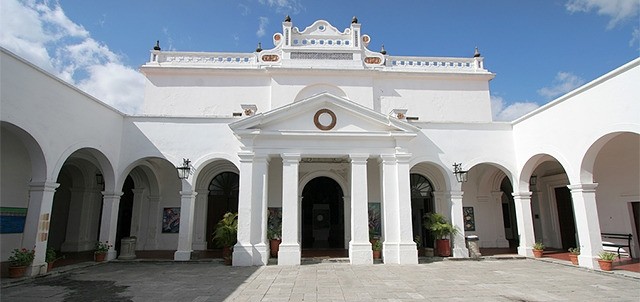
(185, 169)
(461, 175)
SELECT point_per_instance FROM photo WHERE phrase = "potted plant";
(538, 249)
(19, 260)
(274, 232)
(100, 251)
(50, 258)
(377, 249)
(606, 260)
(226, 235)
(573, 254)
(441, 230)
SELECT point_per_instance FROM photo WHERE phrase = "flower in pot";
(377, 249)
(573, 254)
(19, 260)
(274, 232)
(50, 257)
(226, 234)
(538, 249)
(606, 260)
(441, 230)
(100, 251)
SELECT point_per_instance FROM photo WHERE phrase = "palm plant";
(438, 225)
(226, 232)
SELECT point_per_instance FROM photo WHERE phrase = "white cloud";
(40, 32)
(263, 22)
(284, 6)
(563, 83)
(635, 37)
(512, 111)
(617, 10)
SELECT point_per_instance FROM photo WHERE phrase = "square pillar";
(187, 215)
(36, 229)
(109, 221)
(289, 253)
(585, 211)
(243, 250)
(359, 247)
(522, 202)
(457, 219)
(259, 210)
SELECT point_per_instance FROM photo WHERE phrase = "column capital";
(106, 194)
(583, 187)
(43, 186)
(403, 158)
(246, 156)
(188, 193)
(290, 158)
(522, 195)
(456, 194)
(388, 159)
(359, 158)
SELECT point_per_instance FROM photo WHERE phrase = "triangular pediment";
(324, 114)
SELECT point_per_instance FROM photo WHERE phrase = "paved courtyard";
(487, 280)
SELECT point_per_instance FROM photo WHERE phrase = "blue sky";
(539, 50)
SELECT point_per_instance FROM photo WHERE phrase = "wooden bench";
(618, 237)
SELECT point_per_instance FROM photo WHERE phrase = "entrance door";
(322, 215)
(421, 204)
(125, 213)
(223, 198)
(509, 214)
(565, 217)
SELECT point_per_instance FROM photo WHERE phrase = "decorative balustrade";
(435, 64)
(205, 59)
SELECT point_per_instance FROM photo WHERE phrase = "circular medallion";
(324, 119)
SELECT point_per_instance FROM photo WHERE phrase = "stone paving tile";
(506, 280)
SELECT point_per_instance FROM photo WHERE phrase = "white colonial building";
(341, 141)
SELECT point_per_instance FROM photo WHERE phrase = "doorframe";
(551, 183)
(346, 200)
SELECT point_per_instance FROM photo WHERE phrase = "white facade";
(319, 115)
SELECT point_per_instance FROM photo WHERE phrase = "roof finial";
(476, 54)
(157, 47)
(287, 19)
(259, 49)
(382, 50)
(354, 20)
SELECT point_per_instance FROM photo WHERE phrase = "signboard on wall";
(12, 220)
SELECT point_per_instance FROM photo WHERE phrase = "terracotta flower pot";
(574, 259)
(274, 246)
(99, 257)
(443, 247)
(49, 266)
(17, 271)
(538, 253)
(377, 254)
(605, 265)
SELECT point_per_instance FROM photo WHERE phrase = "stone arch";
(589, 159)
(38, 163)
(94, 155)
(532, 163)
(315, 89)
(344, 185)
(434, 172)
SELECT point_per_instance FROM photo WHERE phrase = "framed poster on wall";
(171, 220)
(469, 219)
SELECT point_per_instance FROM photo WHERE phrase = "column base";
(525, 251)
(460, 252)
(289, 254)
(588, 261)
(182, 256)
(260, 254)
(242, 255)
(399, 253)
(36, 269)
(360, 253)
(112, 254)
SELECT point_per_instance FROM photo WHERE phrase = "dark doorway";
(509, 214)
(565, 217)
(322, 215)
(421, 203)
(223, 198)
(125, 212)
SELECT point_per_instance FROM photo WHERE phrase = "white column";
(77, 207)
(187, 210)
(289, 253)
(391, 225)
(496, 202)
(407, 250)
(136, 215)
(243, 250)
(109, 221)
(457, 219)
(200, 225)
(522, 202)
(587, 223)
(259, 210)
(36, 228)
(359, 246)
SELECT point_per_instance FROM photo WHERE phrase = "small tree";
(226, 232)
(439, 226)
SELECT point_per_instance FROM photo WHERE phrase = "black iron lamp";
(185, 169)
(461, 175)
